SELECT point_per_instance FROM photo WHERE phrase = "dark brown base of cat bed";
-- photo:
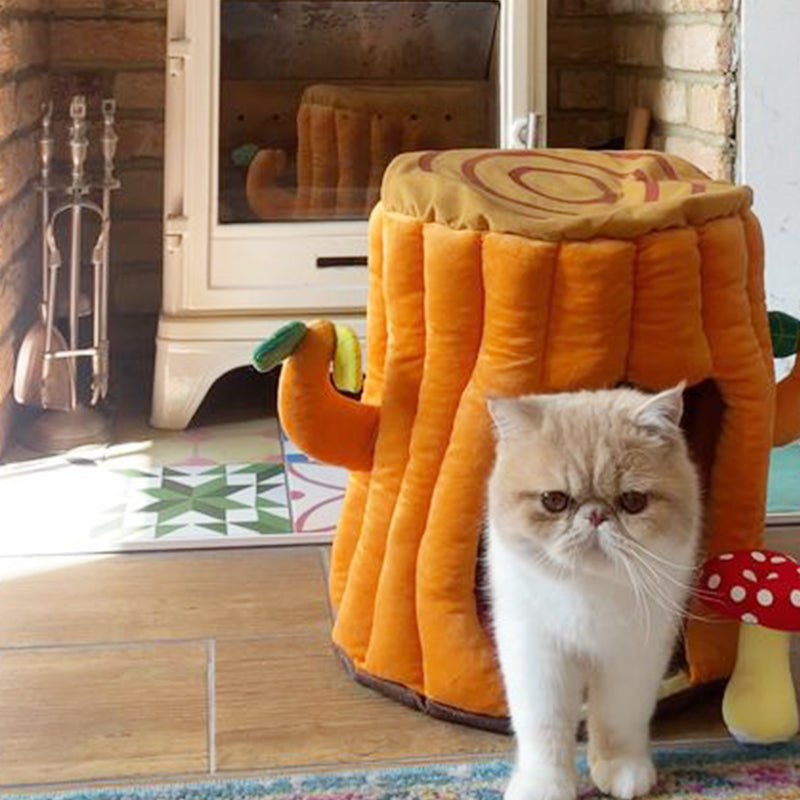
(408, 697)
(680, 696)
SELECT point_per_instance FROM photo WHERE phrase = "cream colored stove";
(281, 115)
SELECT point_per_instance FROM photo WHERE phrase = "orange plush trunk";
(501, 273)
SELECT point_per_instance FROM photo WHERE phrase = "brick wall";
(580, 90)
(105, 48)
(24, 45)
(676, 57)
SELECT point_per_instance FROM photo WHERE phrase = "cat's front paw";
(625, 777)
(541, 783)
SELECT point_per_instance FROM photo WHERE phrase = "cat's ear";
(512, 415)
(661, 414)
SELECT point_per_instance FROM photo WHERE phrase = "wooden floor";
(182, 664)
(178, 664)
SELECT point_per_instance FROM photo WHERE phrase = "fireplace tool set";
(50, 373)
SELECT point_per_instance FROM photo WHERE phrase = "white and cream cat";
(594, 523)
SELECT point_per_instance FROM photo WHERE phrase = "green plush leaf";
(279, 346)
(242, 156)
(785, 333)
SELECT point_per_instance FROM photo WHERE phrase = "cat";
(594, 518)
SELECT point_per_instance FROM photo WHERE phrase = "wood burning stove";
(281, 117)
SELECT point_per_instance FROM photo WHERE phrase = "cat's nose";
(597, 516)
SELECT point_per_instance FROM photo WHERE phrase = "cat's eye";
(555, 502)
(633, 502)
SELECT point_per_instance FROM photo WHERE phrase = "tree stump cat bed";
(507, 273)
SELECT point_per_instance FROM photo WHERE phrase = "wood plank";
(95, 713)
(288, 702)
(154, 596)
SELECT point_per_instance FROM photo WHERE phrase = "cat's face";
(582, 481)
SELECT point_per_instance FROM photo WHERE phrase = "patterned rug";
(724, 773)
(235, 485)
(188, 501)
(241, 484)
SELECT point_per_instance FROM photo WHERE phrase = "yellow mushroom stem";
(760, 706)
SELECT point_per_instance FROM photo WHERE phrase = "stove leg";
(184, 373)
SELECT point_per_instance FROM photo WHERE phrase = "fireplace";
(281, 116)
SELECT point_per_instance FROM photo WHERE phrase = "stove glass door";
(316, 97)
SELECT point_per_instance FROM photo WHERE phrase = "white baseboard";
(784, 537)
(779, 519)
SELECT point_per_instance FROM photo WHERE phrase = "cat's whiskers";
(625, 544)
(639, 546)
(659, 595)
(651, 579)
(691, 590)
(541, 558)
(567, 545)
(649, 557)
(640, 582)
(642, 609)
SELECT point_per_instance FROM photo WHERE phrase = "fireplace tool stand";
(71, 414)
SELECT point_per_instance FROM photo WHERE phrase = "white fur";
(563, 631)
(555, 638)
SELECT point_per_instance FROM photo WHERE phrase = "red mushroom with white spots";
(760, 589)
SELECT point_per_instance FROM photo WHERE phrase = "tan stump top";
(558, 194)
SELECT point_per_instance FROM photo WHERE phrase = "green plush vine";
(279, 346)
(784, 331)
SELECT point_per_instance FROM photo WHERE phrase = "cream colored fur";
(582, 603)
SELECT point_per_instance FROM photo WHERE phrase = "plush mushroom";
(761, 589)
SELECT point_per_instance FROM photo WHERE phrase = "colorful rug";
(241, 484)
(728, 773)
(316, 492)
(233, 485)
